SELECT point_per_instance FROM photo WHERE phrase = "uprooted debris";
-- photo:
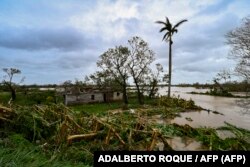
(58, 125)
(6, 114)
(65, 134)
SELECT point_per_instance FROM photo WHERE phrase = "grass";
(96, 109)
(47, 97)
(102, 108)
(17, 151)
(31, 98)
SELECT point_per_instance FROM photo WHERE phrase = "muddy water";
(182, 144)
(235, 110)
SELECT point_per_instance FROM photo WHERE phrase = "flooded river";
(235, 111)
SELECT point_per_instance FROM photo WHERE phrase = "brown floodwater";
(182, 144)
(235, 111)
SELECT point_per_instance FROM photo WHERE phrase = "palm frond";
(164, 28)
(175, 31)
(179, 23)
(168, 24)
(169, 28)
(166, 36)
(167, 20)
(161, 22)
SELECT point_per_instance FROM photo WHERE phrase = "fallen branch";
(6, 113)
(68, 118)
(154, 137)
(143, 131)
(96, 126)
(4, 119)
(81, 136)
(5, 109)
(108, 137)
(39, 108)
(112, 129)
(167, 147)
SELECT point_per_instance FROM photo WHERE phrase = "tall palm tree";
(170, 30)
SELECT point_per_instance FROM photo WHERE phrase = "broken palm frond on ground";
(126, 130)
(177, 102)
(62, 133)
(239, 133)
(6, 114)
(58, 125)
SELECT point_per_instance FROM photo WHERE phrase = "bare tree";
(9, 80)
(114, 63)
(140, 57)
(239, 40)
(223, 75)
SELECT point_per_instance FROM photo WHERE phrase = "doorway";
(104, 97)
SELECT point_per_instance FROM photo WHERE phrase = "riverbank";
(229, 94)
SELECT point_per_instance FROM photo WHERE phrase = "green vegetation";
(102, 108)
(31, 97)
(55, 135)
(15, 150)
(179, 103)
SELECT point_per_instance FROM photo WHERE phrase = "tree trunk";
(12, 90)
(170, 66)
(139, 95)
(141, 101)
(125, 97)
(220, 86)
(152, 91)
(13, 94)
(151, 94)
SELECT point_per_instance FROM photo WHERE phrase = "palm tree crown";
(170, 29)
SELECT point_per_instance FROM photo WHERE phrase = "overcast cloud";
(54, 41)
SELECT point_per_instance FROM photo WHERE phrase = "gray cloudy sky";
(53, 41)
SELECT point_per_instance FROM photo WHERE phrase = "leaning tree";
(168, 37)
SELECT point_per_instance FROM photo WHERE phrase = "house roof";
(85, 89)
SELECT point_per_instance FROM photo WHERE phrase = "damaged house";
(90, 95)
